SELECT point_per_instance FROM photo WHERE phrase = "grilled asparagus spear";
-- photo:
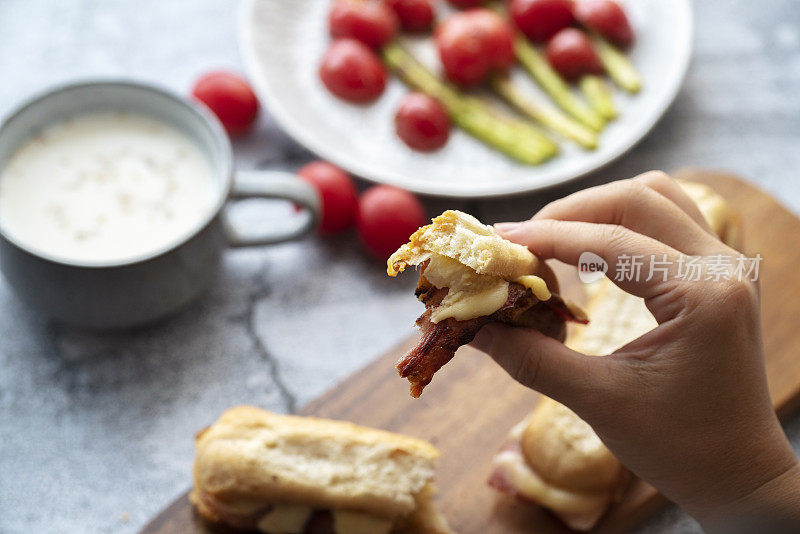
(599, 95)
(548, 116)
(541, 71)
(618, 66)
(514, 137)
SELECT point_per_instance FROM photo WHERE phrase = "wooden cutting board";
(468, 409)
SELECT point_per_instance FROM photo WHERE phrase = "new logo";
(591, 267)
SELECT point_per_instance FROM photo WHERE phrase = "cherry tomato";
(387, 216)
(352, 71)
(606, 18)
(372, 23)
(337, 192)
(572, 54)
(539, 20)
(230, 98)
(462, 52)
(473, 44)
(466, 3)
(498, 37)
(421, 122)
(414, 15)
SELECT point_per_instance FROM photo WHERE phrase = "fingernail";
(506, 227)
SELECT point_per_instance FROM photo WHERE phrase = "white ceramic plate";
(283, 41)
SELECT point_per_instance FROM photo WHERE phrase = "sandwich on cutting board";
(469, 276)
(553, 458)
(256, 471)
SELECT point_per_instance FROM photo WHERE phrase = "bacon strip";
(320, 522)
(441, 340)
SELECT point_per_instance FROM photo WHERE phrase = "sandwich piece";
(256, 471)
(553, 458)
(470, 277)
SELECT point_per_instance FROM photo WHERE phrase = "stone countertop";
(96, 430)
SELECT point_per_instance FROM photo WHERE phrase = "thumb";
(545, 364)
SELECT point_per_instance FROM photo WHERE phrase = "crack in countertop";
(262, 291)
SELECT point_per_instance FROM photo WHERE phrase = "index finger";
(670, 189)
(638, 264)
(632, 204)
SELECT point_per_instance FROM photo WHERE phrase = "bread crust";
(720, 216)
(252, 455)
(460, 236)
(564, 450)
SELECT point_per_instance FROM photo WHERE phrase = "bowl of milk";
(112, 198)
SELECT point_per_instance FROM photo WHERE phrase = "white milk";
(105, 187)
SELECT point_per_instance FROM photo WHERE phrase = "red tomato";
(372, 23)
(387, 216)
(474, 43)
(463, 55)
(606, 18)
(539, 20)
(414, 15)
(466, 3)
(230, 98)
(498, 37)
(571, 53)
(421, 122)
(352, 71)
(337, 192)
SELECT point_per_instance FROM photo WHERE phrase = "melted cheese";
(346, 522)
(285, 519)
(470, 294)
(536, 284)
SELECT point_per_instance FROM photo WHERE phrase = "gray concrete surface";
(96, 430)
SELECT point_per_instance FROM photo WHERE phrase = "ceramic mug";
(141, 290)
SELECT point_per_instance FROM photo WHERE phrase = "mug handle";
(277, 185)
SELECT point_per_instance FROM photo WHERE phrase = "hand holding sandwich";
(685, 406)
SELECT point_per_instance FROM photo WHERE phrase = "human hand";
(686, 406)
